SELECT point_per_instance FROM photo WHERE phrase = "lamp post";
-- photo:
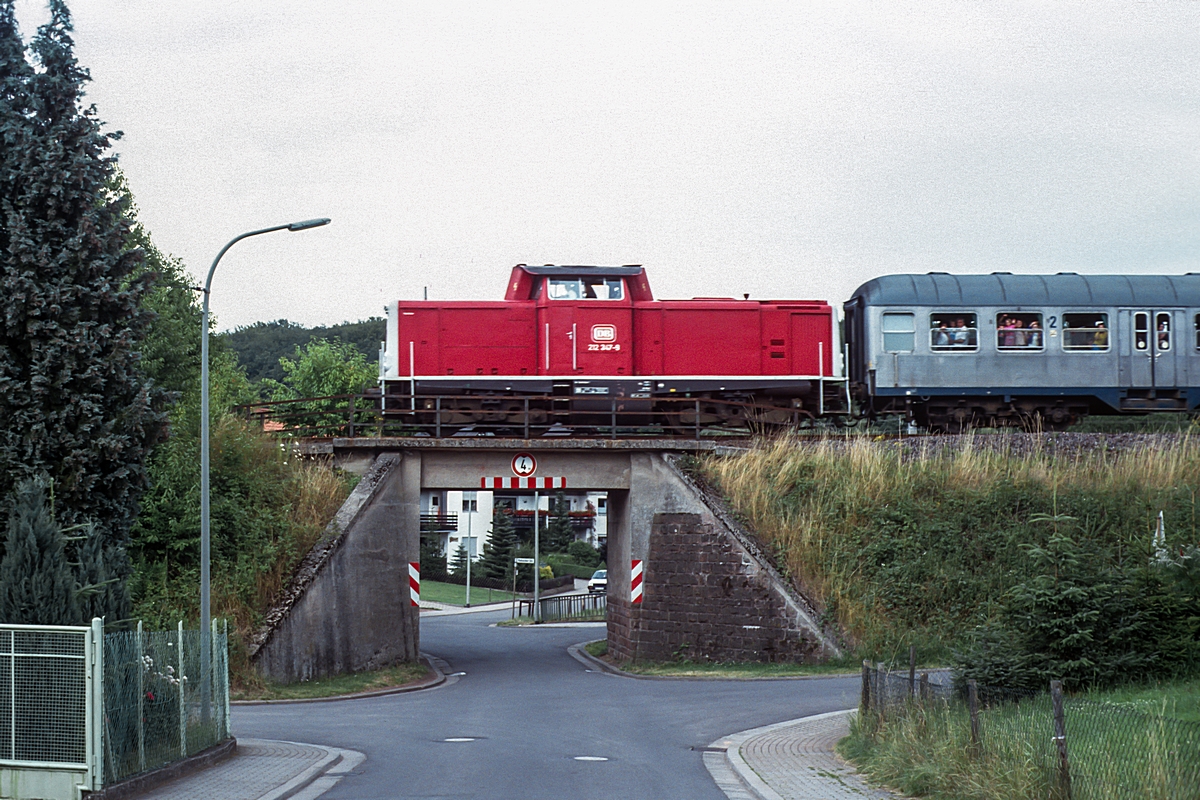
(205, 613)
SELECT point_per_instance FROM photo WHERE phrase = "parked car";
(599, 581)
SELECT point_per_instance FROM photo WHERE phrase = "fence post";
(352, 398)
(225, 675)
(866, 686)
(973, 708)
(214, 698)
(912, 671)
(179, 675)
(1060, 739)
(141, 670)
(880, 689)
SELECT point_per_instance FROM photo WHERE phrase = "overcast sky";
(785, 149)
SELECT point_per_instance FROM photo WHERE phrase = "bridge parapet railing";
(574, 607)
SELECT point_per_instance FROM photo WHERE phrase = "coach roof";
(1005, 288)
(581, 271)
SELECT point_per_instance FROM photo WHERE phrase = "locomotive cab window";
(1019, 331)
(951, 331)
(899, 332)
(585, 289)
(1085, 331)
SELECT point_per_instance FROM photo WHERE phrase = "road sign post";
(537, 577)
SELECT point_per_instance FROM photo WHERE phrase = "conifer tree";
(559, 533)
(500, 548)
(37, 585)
(73, 403)
(99, 570)
(458, 562)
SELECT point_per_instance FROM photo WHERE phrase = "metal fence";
(160, 706)
(591, 607)
(1057, 746)
(50, 705)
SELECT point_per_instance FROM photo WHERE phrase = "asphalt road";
(532, 710)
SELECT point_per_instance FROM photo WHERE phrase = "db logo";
(604, 333)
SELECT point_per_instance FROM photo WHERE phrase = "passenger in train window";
(1100, 337)
(1164, 333)
(961, 338)
(1034, 337)
(950, 331)
(1019, 331)
(941, 336)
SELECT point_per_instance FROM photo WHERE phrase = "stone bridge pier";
(707, 590)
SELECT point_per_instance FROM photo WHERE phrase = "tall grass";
(905, 542)
(268, 509)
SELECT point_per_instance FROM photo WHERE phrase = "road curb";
(578, 652)
(437, 679)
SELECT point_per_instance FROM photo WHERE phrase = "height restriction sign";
(524, 465)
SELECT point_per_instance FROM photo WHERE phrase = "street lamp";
(205, 615)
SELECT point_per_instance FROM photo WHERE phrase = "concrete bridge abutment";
(708, 592)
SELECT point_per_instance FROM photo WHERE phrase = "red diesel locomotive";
(580, 342)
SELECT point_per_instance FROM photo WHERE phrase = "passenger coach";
(958, 351)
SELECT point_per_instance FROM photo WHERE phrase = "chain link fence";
(160, 706)
(1044, 744)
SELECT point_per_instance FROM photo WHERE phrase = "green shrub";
(901, 544)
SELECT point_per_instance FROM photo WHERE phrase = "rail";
(574, 607)
(438, 416)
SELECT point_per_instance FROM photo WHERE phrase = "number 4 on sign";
(524, 465)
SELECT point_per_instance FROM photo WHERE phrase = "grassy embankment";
(902, 546)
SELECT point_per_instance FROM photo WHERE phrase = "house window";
(1085, 331)
(899, 332)
(953, 331)
(469, 502)
(1018, 331)
(602, 502)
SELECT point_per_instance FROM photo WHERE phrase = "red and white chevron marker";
(414, 582)
(523, 483)
(635, 582)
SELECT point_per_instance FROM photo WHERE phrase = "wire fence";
(1044, 744)
(160, 706)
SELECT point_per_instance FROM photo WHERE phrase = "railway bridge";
(706, 586)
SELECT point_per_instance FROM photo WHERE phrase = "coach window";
(1019, 331)
(1196, 325)
(951, 331)
(1162, 331)
(1085, 331)
(1141, 330)
(899, 332)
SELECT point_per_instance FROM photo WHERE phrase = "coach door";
(1150, 348)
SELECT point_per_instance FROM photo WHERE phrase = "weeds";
(918, 543)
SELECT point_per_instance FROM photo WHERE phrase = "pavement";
(264, 769)
(792, 760)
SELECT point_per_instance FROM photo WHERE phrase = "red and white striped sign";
(522, 483)
(414, 582)
(635, 581)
